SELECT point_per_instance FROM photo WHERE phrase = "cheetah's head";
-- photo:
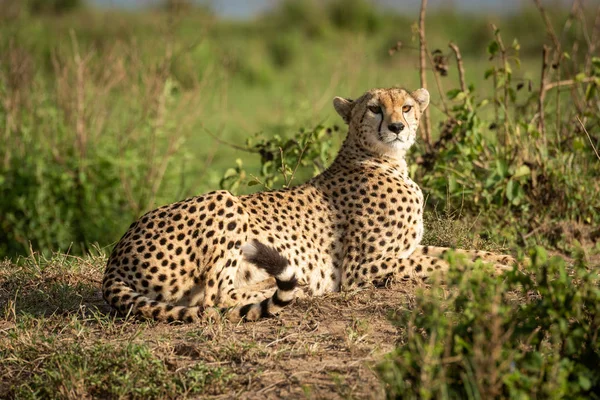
(384, 121)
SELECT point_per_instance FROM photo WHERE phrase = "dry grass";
(317, 348)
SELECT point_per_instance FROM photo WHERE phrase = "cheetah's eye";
(406, 109)
(375, 109)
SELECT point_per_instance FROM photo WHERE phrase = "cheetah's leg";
(500, 261)
(416, 266)
(246, 294)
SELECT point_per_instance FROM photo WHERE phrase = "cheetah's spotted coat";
(358, 222)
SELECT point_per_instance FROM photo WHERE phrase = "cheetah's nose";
(396, 127)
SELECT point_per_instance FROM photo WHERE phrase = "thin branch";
(542, 95)
(550, 30)
(426, 131)
(506, 83)
(283, 167)
(223, 142)
(461, 68)
(567, 82)
(299, 161)
(593, 42)
(438, 84)
(589, 138)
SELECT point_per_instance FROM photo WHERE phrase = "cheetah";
(358, 222)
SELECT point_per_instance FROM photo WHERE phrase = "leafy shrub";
(503, 154)
(53, 6)
(70, 176)
(284, 48)
(314, 19)
(354, 15)
(524, 334)
(282, 159)
(306, 16)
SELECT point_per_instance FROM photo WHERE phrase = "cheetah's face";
(384, 121)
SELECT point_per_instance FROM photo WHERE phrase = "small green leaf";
(501, 168)
(510, 190)
(493, 48)
(229, 173)
(584, 382)
(453, 93)
(523, 170)
(578, 144)
(516, 45)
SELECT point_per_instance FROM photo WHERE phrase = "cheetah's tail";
(127, 301)
(276, 265)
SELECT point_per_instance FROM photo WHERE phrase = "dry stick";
(549, 28)
(589, 138)
(80, 130)
(505, 65)
(426, 131)
(593, 42)
(223, 142)
(496, 100)
(557, 57)
(567, 82)
(576, 101)
(569, 22)
(566, 28)
(542, 96)
(571, 83)
(438, 84)
(461, 67)
(298, 163)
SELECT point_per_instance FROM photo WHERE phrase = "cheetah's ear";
(422, 97)
(343, 107)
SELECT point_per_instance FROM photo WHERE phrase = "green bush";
(53, 6)
(284, 159)
(523, 335)
(354, 15)
(491, 157)
(69, 176)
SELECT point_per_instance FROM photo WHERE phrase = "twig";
(567, 82)
(593, 42)
(281, 339)
(461, 68)
(551, 33)
(542, 95)
(298, 163)
(283, 166)
(589, 138)
(260, 182)
(506, 83)
(223, 142)
(438, 84)
(426, 131)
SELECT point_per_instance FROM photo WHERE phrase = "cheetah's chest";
(384, 215)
